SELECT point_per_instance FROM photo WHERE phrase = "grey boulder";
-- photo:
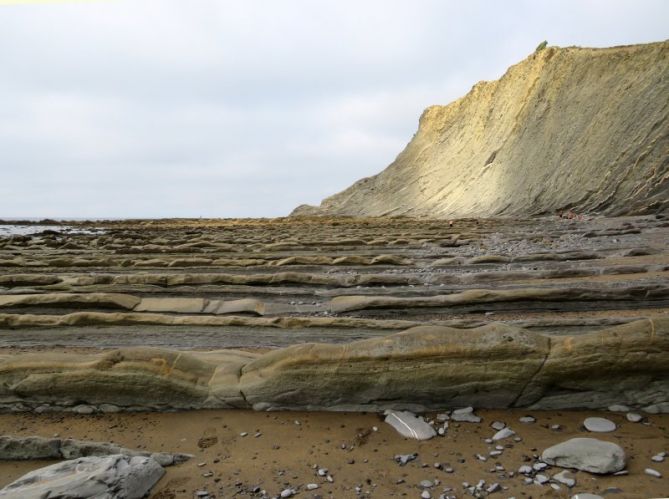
(109, 477)
(586, 454)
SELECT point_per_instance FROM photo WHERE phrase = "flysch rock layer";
(428, 367)
(572, 127)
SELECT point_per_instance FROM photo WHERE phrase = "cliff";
(566, 128)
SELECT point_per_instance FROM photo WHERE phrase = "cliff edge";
(567, 128)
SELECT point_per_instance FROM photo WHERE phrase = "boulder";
(586, 454)
(107, 477)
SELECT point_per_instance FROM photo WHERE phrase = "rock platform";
(336, 314)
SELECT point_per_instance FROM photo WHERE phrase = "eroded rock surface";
(424, 367)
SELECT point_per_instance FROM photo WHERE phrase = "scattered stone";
(497, 425)
(409, 426)
(586, 454)
(495, 487)
(425, 494)
(541, 479)
(403, 459)
(130, 477)
(465, 415)
(599, 425)
(525, 469)
(287, 493)
(503, 433)
(565, 478)
(659, 458)
(539, 466)
(652, 472)
(634, 417)
(618, 408)
(586, 496)
(527, 419)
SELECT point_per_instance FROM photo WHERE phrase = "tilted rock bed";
(493, 366)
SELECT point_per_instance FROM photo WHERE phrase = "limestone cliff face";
(579, 128)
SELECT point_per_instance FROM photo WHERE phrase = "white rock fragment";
(525, 469)
(652, 472)
(527, 419)
(659, 458)
(503, 433)
(541, 479)
(465, 415)
(565, 478)
(497, 425)
(586, 496)
(409, 426)
(618, 408)
(634, 417)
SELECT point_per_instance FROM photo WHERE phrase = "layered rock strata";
(422, 368)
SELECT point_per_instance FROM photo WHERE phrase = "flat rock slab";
(109, 477)
(34, 448)
(599, 425)
(586, 454)
(409, 426)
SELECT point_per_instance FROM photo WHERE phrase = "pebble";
(322, 471)
(659, 458)
(312, 486)
(494, 487)
(497, 425)
(599, 425)
(527, 419)
(403, 459)
(539, 466)
(425, 494)
(618, 408)
(652, 472)
(525, 469)
(287, 493)
(565, 478)
(541, 479)
(586, 496)
(633, 417)
(495, 453)
(243, 434)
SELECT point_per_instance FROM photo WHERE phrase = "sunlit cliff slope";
(578, 128)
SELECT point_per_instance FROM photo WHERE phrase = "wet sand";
(278, 453)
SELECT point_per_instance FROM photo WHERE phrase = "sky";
(217, 108)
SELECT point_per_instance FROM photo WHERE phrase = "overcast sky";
(161, 108)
